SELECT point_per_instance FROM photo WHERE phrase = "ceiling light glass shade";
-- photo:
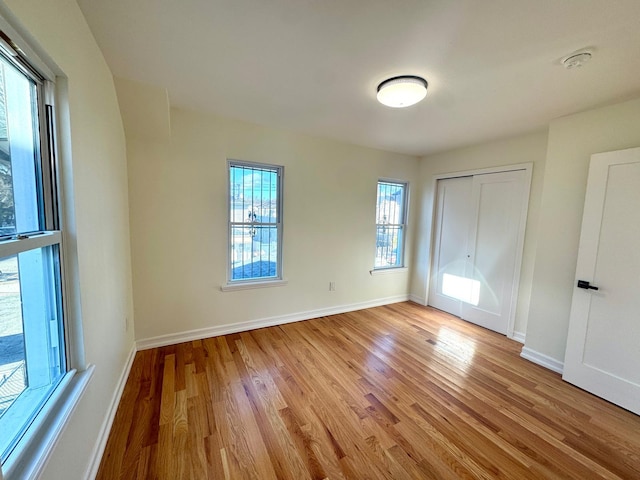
(400, 92)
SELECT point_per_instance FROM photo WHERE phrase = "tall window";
(391, 214)
(255, 222)
(32, 346)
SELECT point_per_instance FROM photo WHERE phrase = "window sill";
(231, 287)
(388, 271)
(32, 452)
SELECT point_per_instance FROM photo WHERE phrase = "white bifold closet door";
(477, 247)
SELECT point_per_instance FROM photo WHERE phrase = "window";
(391, 211)
(255, 222)
(32, 337)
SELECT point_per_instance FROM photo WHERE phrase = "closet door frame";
(528, 169)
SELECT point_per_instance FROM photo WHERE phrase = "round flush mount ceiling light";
(402, 91)
(577, 59)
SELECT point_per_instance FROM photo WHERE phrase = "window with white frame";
(32, 328)
(255, 222)
(391, 212)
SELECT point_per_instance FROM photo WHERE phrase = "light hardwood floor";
(393, 392)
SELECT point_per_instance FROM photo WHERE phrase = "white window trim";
(32, 452)
(403, 266)
(259, 282)
(251, 285)
(31, 242)
(387, 270)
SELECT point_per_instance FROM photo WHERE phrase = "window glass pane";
(31, 339)
(390, 203)
(389, 243)
(12, 350)
(390, 219)
(254, 252)
(20, 197)
(254, 229)
(253, 194)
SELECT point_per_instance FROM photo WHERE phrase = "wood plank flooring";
(394, 392)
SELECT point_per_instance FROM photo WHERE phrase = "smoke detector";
(577, 59)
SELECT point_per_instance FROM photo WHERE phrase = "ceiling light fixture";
(402, 91)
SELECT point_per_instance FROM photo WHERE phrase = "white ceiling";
(312, 66)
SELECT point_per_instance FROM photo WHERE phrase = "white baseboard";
(417, 299)
(103, 435)
(198, 334)
(542, 359)
(518, 337)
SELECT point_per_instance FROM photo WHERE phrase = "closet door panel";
(497, 200)
(451, 226)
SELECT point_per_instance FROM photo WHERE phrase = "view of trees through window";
(254, 221)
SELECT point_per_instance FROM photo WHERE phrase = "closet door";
(497, 201)
(453, 217)
(477, 245)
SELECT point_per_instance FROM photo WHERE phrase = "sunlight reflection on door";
(461, 288)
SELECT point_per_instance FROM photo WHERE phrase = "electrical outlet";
(332, 286)
(126, 324)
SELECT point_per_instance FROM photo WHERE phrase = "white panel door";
(498, 201)
(477, 245)
(603, 344)
(451, 227)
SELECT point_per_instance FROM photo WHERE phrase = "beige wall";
(521, 149)
(93, 157)
(178, 195)
(572, 140)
